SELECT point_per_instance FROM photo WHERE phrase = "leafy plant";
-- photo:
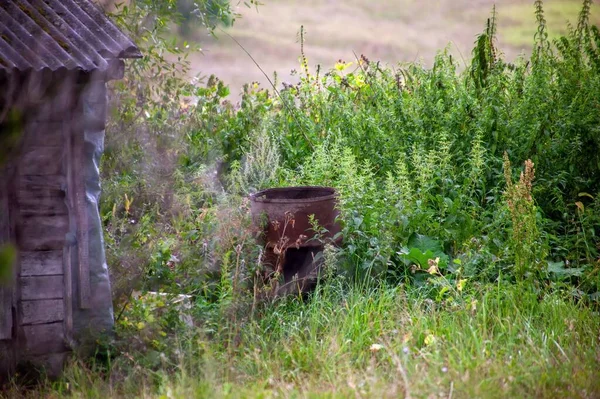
(525, 237)
(421, 250)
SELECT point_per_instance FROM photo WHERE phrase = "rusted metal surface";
(52, 35)
(293, 247)
(285, 213)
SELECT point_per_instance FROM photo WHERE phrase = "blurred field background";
(392, 31)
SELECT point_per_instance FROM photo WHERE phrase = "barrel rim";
(255, 197)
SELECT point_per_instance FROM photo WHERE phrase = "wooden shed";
(55, 59)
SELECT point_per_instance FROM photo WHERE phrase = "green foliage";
(259, 168)
(528, 249)
(499, 340)
(412, 151)
(8, 256)
(444, 252)
(423, 149)
(422, 250)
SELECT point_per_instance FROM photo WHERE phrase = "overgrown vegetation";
(470, 206)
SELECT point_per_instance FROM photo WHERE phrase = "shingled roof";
(38, 35)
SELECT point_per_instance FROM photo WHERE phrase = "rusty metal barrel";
(285, 212)
(283, 215)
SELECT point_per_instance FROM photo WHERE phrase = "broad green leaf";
(560, 271)
(425, 243)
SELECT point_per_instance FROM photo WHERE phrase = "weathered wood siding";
(61, 284)
(8, 300)
(41, 263)
(43, 223)
(42, 311)
(43, 339)
(41, 287)
(41, 195)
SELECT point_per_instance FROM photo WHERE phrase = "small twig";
(416, 57)
(358, 62)
(460, 53)
(124, 305)
(312, 147)
(400, 368)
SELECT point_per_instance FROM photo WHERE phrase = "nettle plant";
(416, 154)
(419, 151)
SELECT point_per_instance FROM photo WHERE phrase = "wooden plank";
(43, 339)
(48, 133)
(41, 161)
(6, 292)
(41, 233)
(4, 209)
(6, 313)
(43, 311)
(56, 109)
(68, 298)
(39, 204)
(41, 263)
(41, 195)
(69, 248)
(41, 287)
(52, 184)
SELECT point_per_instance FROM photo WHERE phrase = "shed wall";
(7, 292)
(61, 294)
(42, 225)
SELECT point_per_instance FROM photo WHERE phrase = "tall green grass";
(373, 341)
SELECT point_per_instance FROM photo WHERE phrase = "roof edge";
(131, 52)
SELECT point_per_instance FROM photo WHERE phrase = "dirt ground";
(390, 31)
